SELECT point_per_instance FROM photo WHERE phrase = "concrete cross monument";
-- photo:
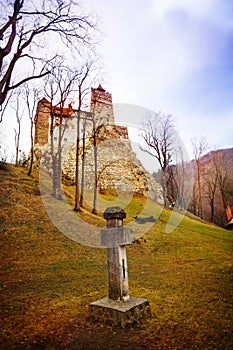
(119, 307)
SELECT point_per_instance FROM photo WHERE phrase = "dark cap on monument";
(114, 213)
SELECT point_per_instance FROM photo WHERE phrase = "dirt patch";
(81, 333)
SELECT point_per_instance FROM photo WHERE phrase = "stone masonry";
(118, 166)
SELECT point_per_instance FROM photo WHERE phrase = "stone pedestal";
(120, 313)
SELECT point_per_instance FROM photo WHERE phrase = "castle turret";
(42, 122)
(101, 106)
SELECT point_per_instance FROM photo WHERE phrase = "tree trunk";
(212, 210)
(32, 150)
(17, 137)
(59, 156)
(164, 187)
(94, 210)
(200, 204)
(83, 165)
(77, 203)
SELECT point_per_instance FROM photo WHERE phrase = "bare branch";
(158, 134)
(29, 26)
(28, 79)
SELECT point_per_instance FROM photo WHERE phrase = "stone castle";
(117, 165)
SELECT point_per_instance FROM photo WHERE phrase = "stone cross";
(119, 308)
(115, 238)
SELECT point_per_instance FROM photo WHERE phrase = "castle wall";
(118, 168)
(117, 165)
(68, 132)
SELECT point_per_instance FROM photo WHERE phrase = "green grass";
(47, 281)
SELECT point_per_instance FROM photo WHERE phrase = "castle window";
(65, 139)
(55, 138)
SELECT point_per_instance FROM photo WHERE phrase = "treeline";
(203, 186)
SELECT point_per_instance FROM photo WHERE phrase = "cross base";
(120, 313)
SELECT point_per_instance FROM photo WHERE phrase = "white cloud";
(195, 8)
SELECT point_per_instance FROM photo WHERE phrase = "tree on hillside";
(177, 189)
(215, 185)
(95, 132)
(19, 115)
(32, 33)
(199, 147)
(59, 88)
(31, 96)
(84, 81)
(83, 161)
(221, 169)
(179, 181)
(158, 134)
(4, 106)
(98, 132)
(210, 177)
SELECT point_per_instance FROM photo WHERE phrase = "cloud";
(197, 8)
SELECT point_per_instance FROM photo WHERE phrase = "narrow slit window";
(123, 267)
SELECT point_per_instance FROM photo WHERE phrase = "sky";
(173, 56)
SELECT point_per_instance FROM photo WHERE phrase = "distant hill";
(224, 159)
(216, 182)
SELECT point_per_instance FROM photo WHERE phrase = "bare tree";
(51, 90)
(95, 142)
(19, 115)
(31, 99)
(158, 134)
(180, 180)
(3, 107)
(83, 161)
(60, 86)
(199, 147)
(26, 31)
(77, 188)
(98, 132)
(172, 181)
(221, 169)
(84, 81)
(63, 85)
(210, 176)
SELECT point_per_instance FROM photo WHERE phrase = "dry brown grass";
(47, 281)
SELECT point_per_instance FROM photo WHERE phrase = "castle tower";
(118, 167)
(42, 122)
(101, 106)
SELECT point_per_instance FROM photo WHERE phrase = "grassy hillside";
(47, 281)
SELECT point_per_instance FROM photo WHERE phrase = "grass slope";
(47, 281)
